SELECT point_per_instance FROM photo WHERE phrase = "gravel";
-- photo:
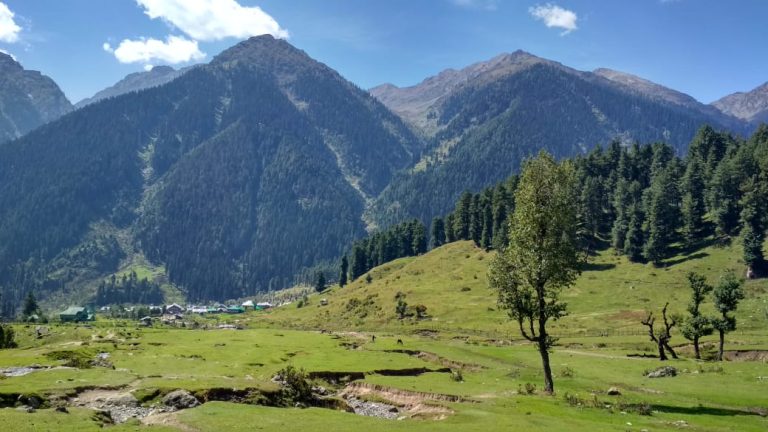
(373, 409)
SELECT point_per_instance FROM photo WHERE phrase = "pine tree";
(486, 238)
(633, 243)
(462, 217)
(475, 219)
(621, 221)
(751, 218)
(320, 284)
(359, 261)
(450, 233)
(437, 232)
(344, 271)
(30, 306)
(694, 207)
(662, 213)
(419, 238)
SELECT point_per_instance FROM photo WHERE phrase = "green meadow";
(463, 367)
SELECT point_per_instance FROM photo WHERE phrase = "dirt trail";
(606, 356)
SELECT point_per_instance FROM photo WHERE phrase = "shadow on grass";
(703, 410)
(681, 260)
(597, 266)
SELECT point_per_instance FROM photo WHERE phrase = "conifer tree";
(437, 234)
(752, 228)
(633, 243)
(462, 217)
(621, 209)
(450, 233)
(662, 213)
(694, 206)
(320, 284)
(418, 238)
(30, 306)
(344, 271)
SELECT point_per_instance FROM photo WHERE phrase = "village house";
(75, 314)
(174, 309)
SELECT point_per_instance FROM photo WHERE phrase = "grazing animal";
(373, 338)
(399, 341)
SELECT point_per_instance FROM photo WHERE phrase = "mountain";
(751, 106)
(137, 81)
(28, 99)
(484, 120)
(665, 94)
(232, 177)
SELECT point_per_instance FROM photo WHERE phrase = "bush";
(566, 372)
(457, 375)
(296, 385)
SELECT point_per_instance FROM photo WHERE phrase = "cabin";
(75, 314)
(235, 309)
(174, 309)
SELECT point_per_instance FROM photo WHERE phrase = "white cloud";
(9, 30)
(173, 50)
(208, 20)
(554, 16)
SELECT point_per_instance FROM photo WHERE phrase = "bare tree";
(663, 336)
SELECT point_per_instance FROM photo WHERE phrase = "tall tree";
(462, 217)
(694, 206)
(752, 215)
(359, 261)
(697, 325)
(621, 210)
(344, 271)
(320, 284)
(543, 255)
(662, 215)
(633, 243)
(30, 306)
(418, 238)
(437, 234)
(450, 232)
(726, 297)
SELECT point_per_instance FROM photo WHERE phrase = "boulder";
(662, 372)
(180, 399)
(614, 391)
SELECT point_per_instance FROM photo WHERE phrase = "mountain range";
(28, 99)
(234, 175)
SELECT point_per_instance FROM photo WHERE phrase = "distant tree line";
(645, 201)
(128, 289)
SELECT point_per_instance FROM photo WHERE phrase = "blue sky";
(706, 48)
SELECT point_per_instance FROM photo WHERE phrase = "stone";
(180, 399)
(614, 391)
(663, 372)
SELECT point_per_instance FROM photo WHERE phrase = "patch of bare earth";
(409, 403)
(750, 356)
(170, 419)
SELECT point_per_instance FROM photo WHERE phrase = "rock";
(662, 372)
(180, 399)
(614, 391)
(62, 409)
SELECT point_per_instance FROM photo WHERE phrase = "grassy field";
(464, 332)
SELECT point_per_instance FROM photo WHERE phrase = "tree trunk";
(670, 350)
(696, 347)
(722, 345)
(662, 354)
(549, 384)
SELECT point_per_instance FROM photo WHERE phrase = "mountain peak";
(258, 49)
(7, 62)
(751, 106)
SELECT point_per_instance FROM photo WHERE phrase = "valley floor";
(448, 374)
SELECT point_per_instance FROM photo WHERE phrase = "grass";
(464, 327)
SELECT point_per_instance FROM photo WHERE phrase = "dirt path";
(605, 356)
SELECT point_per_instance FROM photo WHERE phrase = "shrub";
(457, 375)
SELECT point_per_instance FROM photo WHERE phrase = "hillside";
(751, 106)
(232, 177)
(485, 119)
(28, 99)
(137, 81)
(612, 294)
